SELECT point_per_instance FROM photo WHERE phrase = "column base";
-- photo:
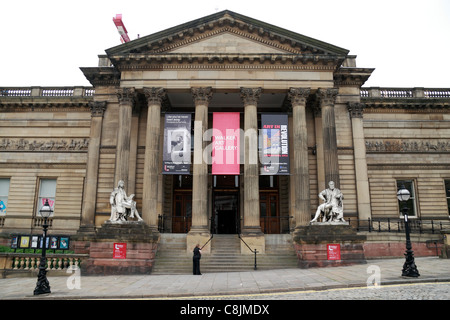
(200, 237)
(256, 241)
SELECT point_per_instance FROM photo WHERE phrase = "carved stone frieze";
(399, 145)
(7, 144)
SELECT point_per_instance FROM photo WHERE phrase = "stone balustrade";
(11, 262)
(46, 91)
(401, 93)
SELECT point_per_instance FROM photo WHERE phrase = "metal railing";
(398, 225)
(252, 250)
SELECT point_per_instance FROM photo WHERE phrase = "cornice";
(227, 61)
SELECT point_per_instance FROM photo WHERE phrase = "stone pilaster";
(300, 174)
(327, 99)
(90, 190)
(199, 232)
(356, 111)
(127, 98)
(152, 166)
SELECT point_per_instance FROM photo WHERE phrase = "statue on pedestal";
(122, 207)
(332, 208)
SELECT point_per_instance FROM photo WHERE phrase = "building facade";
(73, 145)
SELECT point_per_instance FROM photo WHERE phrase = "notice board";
(120, 251)
(333, 251)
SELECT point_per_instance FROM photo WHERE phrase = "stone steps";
(225, 255)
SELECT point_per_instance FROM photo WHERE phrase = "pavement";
(381, 272)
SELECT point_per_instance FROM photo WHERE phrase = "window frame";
(5, 196)
(447, 193)
(40, 197)
(412, 202)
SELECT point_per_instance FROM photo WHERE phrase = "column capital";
(250, 96)
(126, 95)
(202, 95)
(356, 110)
(154, 95)
(97, 108)
(327, 96)
(298, 95)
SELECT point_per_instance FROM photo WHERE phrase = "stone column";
(300, 174)
(327, 98)
(127, 97)
(356, 111)
(152, 165)
(251, 231)
(90, 187)
(199, 232)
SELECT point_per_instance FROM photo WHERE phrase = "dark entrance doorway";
(225, 213)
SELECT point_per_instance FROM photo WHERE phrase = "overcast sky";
(44, 43)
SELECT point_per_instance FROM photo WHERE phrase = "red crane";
(121, 28)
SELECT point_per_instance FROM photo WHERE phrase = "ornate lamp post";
(42, 285)
(409, 267)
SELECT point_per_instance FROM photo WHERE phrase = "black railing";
(252, 250)
(398, 225)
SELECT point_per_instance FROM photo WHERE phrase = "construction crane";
(121, 28)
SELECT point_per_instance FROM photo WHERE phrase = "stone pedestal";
(311, 243)
(141, 245)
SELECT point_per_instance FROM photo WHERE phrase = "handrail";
(254, 251)
(212, 235)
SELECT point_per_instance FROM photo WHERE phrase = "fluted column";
(202, 97)
(90, 190)
(152, 166)
(327, 99)
(356, 111)
(300, 174)
(127, 97)
(252, 223)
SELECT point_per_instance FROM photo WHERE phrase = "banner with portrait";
(177, 143)
(274, 155)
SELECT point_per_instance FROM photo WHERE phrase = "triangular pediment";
(225, 42)
(226, 32)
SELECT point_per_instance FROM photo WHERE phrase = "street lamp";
(42, 285)
(409, 267)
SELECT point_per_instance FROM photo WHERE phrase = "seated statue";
(332, 208)
(122, 207)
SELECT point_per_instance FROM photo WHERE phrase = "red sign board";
(333, 251)
(120, 251)
(225, 143)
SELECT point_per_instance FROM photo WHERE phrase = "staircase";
(225, 256)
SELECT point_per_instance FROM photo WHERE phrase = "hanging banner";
(177, 143)
(225, 143)
(275, 144)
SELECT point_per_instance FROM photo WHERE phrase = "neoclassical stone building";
(73, 145)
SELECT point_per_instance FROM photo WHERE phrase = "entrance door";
(269, 213)
(225, 216)
(182, 212)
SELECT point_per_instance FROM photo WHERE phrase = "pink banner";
(226, 145)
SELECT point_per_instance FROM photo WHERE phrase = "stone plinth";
(311, 243)
(141, 245)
